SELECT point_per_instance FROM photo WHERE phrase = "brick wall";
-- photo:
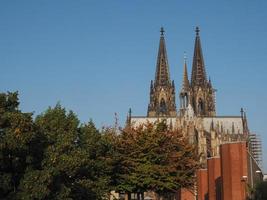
(214, 178)
(234, 170)
(202, 184)
(186, 194)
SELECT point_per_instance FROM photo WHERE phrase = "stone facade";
(196, 118)
(162, 90)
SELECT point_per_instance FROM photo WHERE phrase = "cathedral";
(229, 153)
(196, 116)
(226, 148)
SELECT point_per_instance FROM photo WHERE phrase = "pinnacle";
(186, 83)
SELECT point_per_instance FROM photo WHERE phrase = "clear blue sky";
(98, 57)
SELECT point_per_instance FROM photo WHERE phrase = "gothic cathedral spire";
(202, 96)
(162, 76)
(186, 84)
(162, 91)
(198, 69)
(185, 90)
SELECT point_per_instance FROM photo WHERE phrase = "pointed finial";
(185, 57)
(242, 112)
(162, 31)
(129, 117)
(197, 30)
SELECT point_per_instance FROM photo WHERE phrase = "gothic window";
(162, 105)
(186, 100)
(200, 106)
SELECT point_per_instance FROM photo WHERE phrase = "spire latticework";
(162, 70)
(202, 95)
(186, 84)
(162, 91)
(198, 68)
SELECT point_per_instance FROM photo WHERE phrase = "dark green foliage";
(75, 156)
(52, 158)
(20, 145)
(261, 191)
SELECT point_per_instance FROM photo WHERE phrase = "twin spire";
(162, 76)
(198, 93)
(198, 76)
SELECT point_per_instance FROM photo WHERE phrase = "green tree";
(261, 191)
(75, 163)
(52, 158)
(20, 145)
(99, 161)
(153, 157)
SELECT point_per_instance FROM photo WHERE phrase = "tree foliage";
(153, 157)
(261, 191)
(20, 145)
(55, 157)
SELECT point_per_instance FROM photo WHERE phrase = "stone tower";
(199, 93)
(185, 91)
(162, 90)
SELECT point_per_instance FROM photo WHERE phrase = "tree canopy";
(153, 157)
(54, 156)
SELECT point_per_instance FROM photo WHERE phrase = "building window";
(163, 107)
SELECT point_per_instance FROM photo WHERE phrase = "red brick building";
(229, 176)
(214, 178)
(202, 184)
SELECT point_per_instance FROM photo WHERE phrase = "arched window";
(200, 106)
(162, 106)
(186, 100)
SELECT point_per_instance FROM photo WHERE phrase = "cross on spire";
(197, 30)
(162, 31)
(185, 58)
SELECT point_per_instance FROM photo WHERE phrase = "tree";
(74, 164)
(153, 157)
(19, 140)
(53, 157)
(261, 191)
(99, 164)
